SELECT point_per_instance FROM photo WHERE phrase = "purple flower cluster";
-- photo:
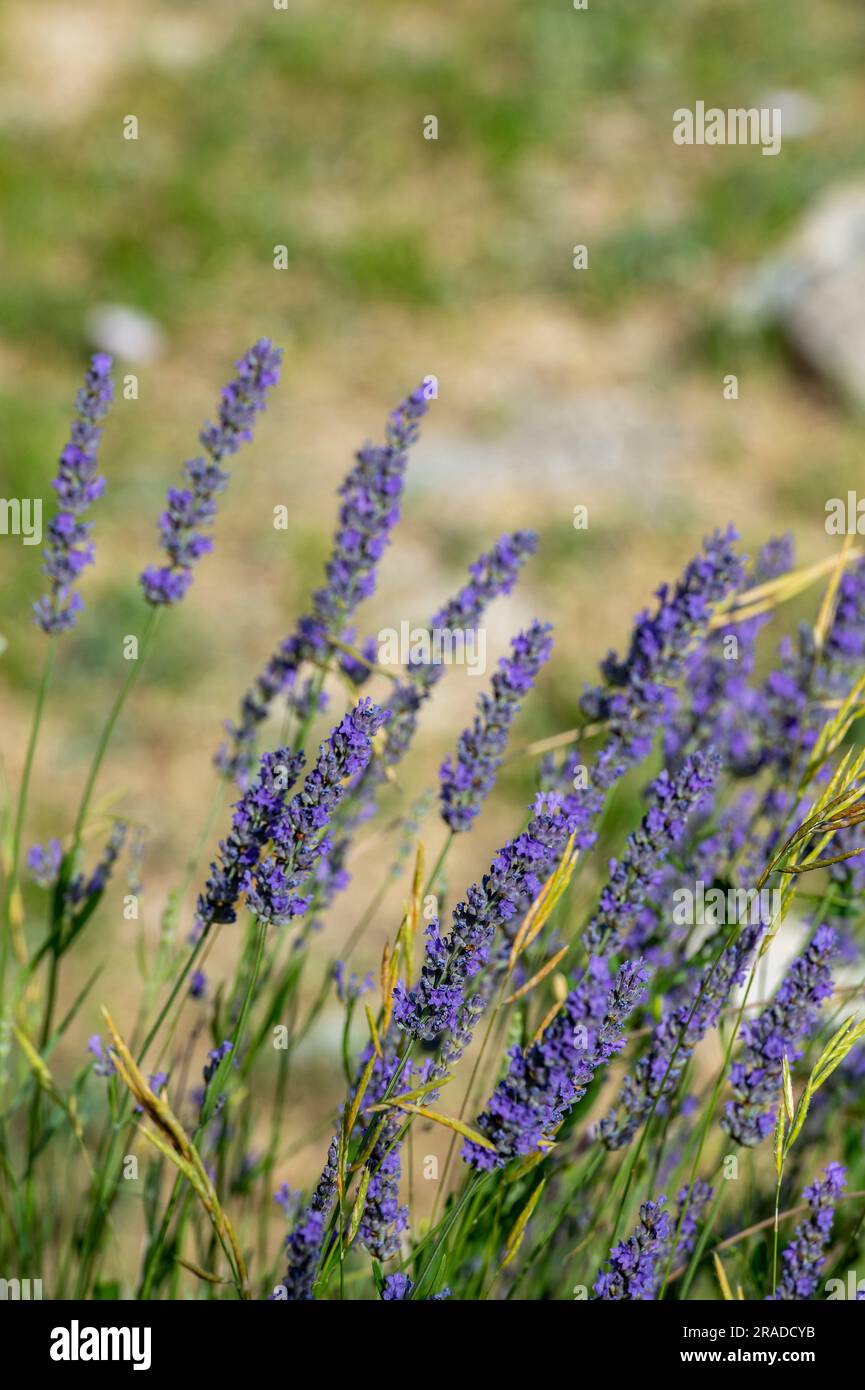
(304, 1244)
(45, 863)
(722, 707)
(803, 1258)
(545, 1082)
(637, 1264)
(672, 801)
(349, 988)
(102, 1063)
(77, 485)
(681, 1027)
(383, 1216)
(368, 513)
(756, 1076)
(299, 833)
(491, 576)
(468, 779)
(192, 507)
(81, 888)
(398, 1287)
(255, 814)
(638, 696)
(214, 1057)
(845, 641)
(515, 878)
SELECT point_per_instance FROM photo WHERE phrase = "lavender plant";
(579, 1045)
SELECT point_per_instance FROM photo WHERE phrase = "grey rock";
(125, 332)
(814, 290)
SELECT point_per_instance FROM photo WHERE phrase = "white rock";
(800, 113)
(814, 289)
(125, 332)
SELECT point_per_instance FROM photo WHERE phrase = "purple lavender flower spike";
(638, 697)
(197, 984)
(720, 706)
(756, 1076)
(672, 802)
(681, 1027)
(305, 1241)
(491, 576)
(77, 484)
(349, 988)
(192, 507)
(442, 1001)
(383, 1217)
(468, 779)
(369, 511)
(396, 1288)
(44, 862)
(299, 835)
(701, 1195)
(102, 1063)
(515, 878)
(252, 824)
(544, 1083)
(638, 1263)
(81, 888)
(495, 573)
(804, 1257)
(214, 1057)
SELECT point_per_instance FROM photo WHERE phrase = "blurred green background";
(406, 257)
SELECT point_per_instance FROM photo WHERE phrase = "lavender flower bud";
(102, 1065)
(467, 780)
(193, 507)
(252, 825)
(756, 1076)
(305, 1241)
(673, 800)
(639, 697)
(638, 1263)
(681, 1027)
(44, 863)
(299, 834)
(80, 888)
(77, 485)
(804, 1256)
(491, 576)
(369, 511)
(544, 1083)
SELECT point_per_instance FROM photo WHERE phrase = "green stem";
(213, 1091)
(439, 864)
(775, 1234)
(57, 924)
(175, 990)
(15, 854)
(108, 729)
